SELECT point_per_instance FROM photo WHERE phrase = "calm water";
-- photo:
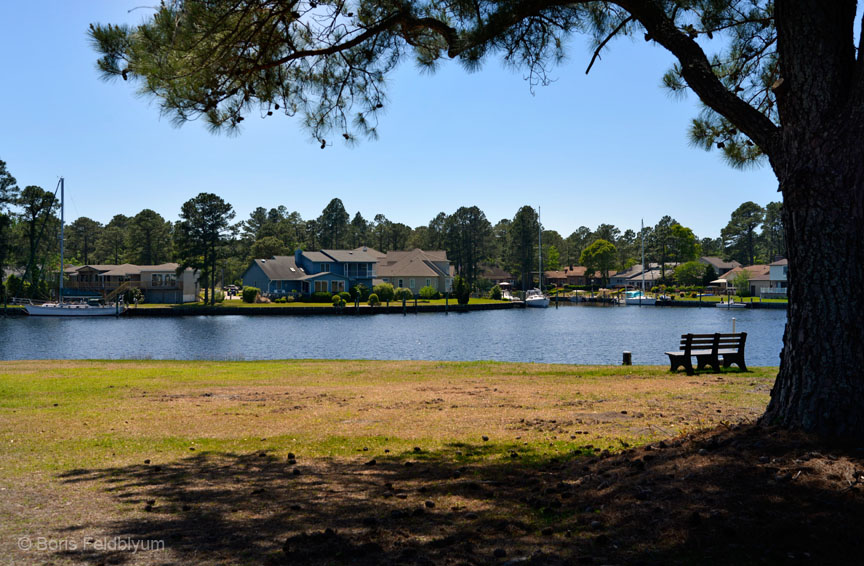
(582, 334)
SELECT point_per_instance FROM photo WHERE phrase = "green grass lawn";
(58, 414)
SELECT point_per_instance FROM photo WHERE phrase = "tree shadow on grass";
(747, 495)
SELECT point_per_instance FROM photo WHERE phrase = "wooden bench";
(708, 349)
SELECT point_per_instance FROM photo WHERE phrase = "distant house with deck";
(758, 278)
(574, 275)
(158, 283)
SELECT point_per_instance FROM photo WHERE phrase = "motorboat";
(731, 305)
(638, 298)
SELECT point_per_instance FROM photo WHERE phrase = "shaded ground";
(738, 496)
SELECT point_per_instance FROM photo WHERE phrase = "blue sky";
(609, 147)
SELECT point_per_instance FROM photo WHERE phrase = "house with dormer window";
(308, 272)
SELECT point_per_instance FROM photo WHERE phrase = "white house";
(777, 280)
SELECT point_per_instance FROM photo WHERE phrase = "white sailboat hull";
(72, 310)
(537, 302)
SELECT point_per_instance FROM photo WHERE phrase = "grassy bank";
(368, 462)
(62, 414)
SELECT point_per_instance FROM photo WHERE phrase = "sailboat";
(639, 297)
(535, 297)
(61, 308)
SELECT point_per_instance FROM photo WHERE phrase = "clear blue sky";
(609, 147)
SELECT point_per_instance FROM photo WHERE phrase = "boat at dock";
(73, 309)
(535, 298)
(638, 298)
(731, 305)
(60, 308)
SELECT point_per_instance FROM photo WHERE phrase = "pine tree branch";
(697, 72)
(605, 41)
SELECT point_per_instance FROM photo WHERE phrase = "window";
(325, 268)
(320, 286)
(411, 283)
(337, 286)
(428, 282)
(400, 283)
(170, 280)
(156, 280)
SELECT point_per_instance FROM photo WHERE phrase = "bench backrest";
(713, 341)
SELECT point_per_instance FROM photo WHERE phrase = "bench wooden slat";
(708, 348)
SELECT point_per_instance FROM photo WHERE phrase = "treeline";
(206, 238)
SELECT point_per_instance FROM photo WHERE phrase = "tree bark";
(820, 385)
(820, 165)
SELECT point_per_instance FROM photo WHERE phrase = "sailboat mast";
(642, 237)
(539, 252)
(62, 237)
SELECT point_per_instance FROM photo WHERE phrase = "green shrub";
(17, 287)
(250, 293)
(403, 294)
(385, 292)
(373, 300)
(461, 290)
(429, 293)
(359, 292)
(495, 293)
(133, 295)
(346, 296)
(320, 297)
(338, 301)
(288, 299)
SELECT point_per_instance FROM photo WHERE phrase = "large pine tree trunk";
(819, 161)
(820, 386)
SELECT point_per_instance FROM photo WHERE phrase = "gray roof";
(280, 268)
(349, 256)
(720, 265)
(124, 269)
(413, 263)
(318, 257)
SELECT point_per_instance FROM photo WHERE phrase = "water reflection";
(581, 335)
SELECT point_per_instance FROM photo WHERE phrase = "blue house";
(304, 273)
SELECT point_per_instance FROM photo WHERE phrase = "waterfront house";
(625, 278)
(778, 273)
(497, 276)
(414, 269)
(758, 278)
(573, 275)
(304, 273)
(158, 283)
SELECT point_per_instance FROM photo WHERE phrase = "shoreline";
(221, 310)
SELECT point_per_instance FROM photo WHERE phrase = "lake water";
(579, 334)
